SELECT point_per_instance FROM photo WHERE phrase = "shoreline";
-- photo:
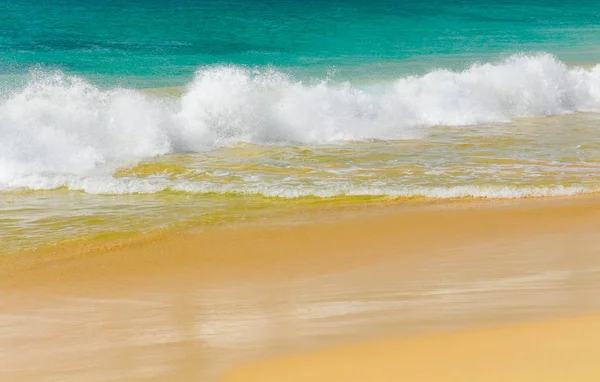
(307, 218)
(285, 212)
(191, 305)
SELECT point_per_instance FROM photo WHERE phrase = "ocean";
(126, 117)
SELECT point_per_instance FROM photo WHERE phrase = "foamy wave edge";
(124, 186)
(59, 124)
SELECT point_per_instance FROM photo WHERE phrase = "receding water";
(261, 106)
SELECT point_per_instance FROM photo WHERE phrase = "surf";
(63, 126)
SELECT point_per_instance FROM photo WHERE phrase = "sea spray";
(59, 128)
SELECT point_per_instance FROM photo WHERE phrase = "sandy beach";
(481, 289)
(564, 350)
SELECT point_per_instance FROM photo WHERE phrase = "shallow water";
(272, 106)
(532, 157)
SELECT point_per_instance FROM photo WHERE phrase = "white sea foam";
(61, 130)
(119, 186)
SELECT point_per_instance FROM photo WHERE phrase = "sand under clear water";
(532, 157)
(183, 305)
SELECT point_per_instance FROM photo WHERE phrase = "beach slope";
(562, 350)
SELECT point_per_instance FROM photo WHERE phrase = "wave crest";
(61, 124)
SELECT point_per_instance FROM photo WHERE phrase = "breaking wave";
(63, 126)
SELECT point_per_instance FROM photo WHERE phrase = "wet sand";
(565, 350)
(195, 305)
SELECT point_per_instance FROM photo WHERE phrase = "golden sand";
(191, 305)
(565, 350)
(330, 241)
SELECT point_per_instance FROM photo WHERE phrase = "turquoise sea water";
(263, 106)
(156, 43)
